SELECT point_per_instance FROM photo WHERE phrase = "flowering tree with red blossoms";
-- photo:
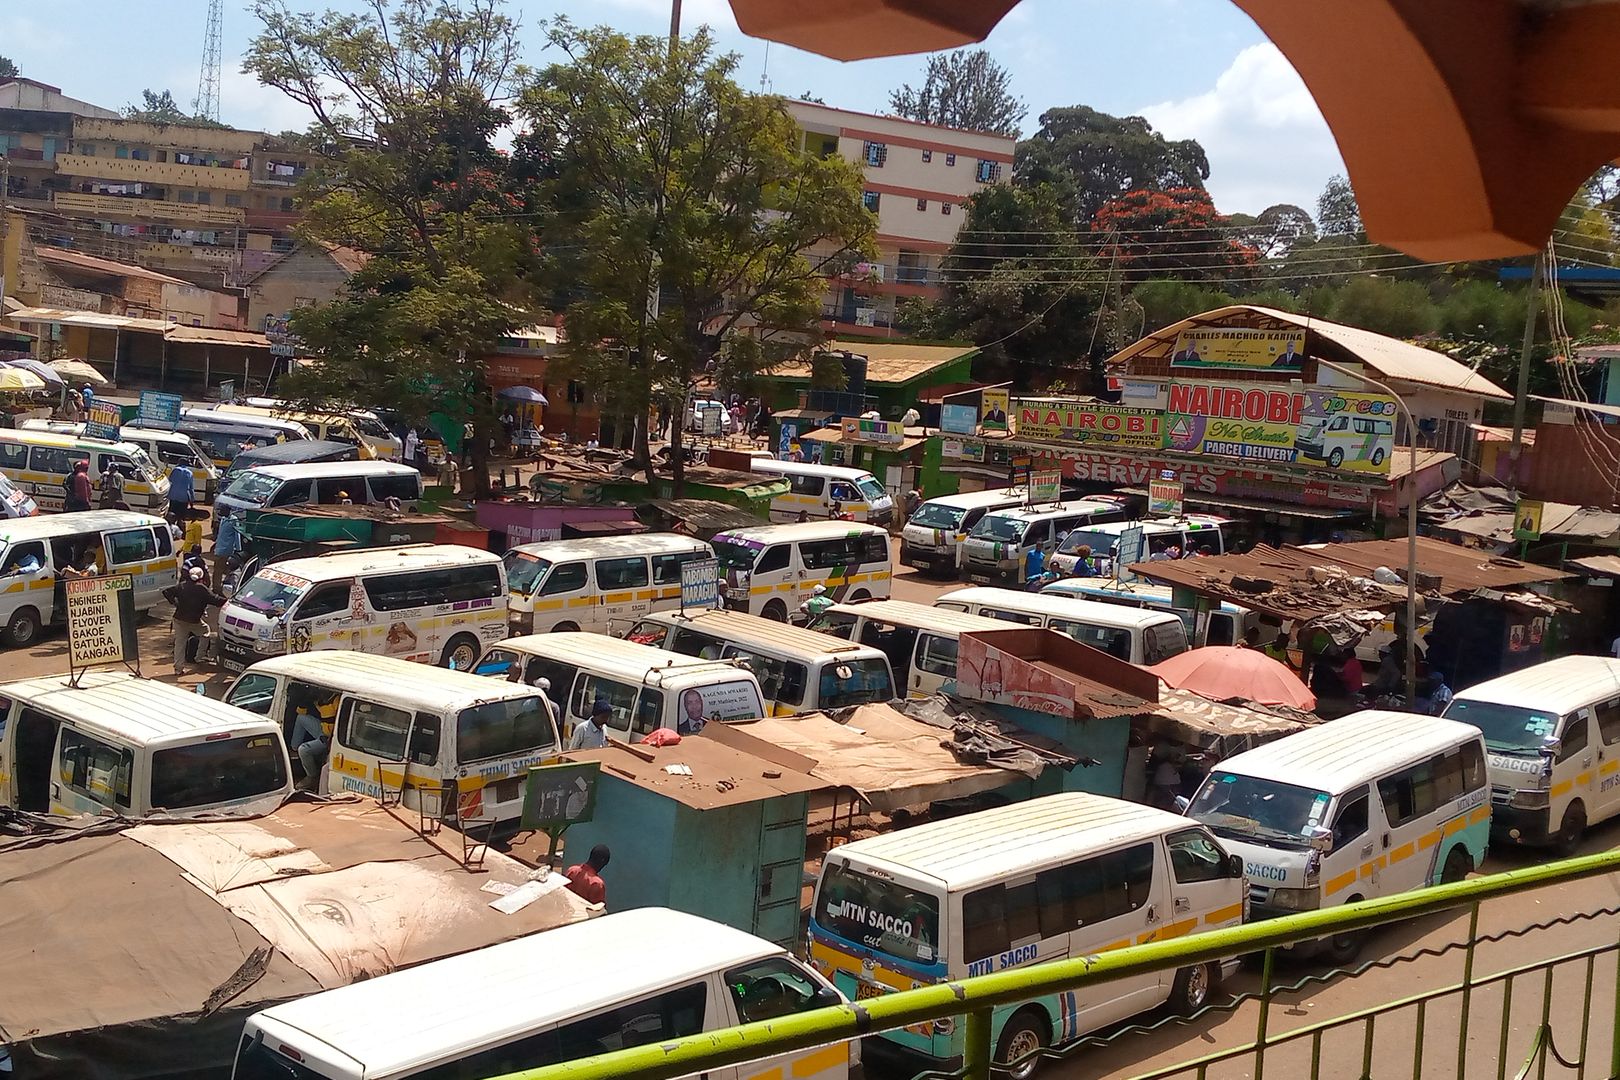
(1172, 233)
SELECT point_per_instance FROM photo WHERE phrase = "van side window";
(331, 489)
(695, 643)
(649, 712)
(1011, 616)
(1423, 788)
(424, 748)
(770, 988)
(1350, 824)
(1094, 890)
(630, 573)
(95, 769)
(165, 543)
(1163, 641)
(50, 459)
(874, 548)
(560, 675)
(1574, 739)
(403, 488)
(373, 729)
(132, 545)
(500, 664)
(996, 916)
(805, 485)
(1195, 857)
(1473, 766)
(567, 578)
(254, 692)
(844, 492)
(781, 680)
(18, 554)
(666, 569)
(1038, 533)
(653, 1019)
(937, 655)
(620, 696)
(825, 554)
(773, 558)
(291, 492)
(1221, 629)
(1608, 721)
(328, 599)
(13, 456)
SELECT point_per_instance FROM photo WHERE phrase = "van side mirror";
(1321, 839)
(1182, 803)
(1234, 866)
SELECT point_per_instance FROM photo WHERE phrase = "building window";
(233, 200)
(287, 204)
(950, 159)
(88, 150)
(185, 196)
(204, 197)
(869, 199)
(140, 154)
(876, 154)
(922, 204)
(281, 244)
(122, 151)
(987, 172)
(928, 155)
(945, 208)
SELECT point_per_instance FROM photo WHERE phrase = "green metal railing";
(974, 998)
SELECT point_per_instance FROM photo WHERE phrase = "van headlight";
(1296, 899)
(1530, 800)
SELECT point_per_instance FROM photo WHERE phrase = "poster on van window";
(720, 702)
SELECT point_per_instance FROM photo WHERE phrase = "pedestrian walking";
(227, 545)
(182, 491)
(191, 599)
(412, 446)
(585, 879)
(112, 489)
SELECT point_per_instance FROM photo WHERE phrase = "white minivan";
(1553, 732)
(1364, 806)
(1135, 635)
(932, 539)
(921, 642)
(635, 978)
(815, 490)
(327, 483)
(595, 582)
(771, 569)
(996, 549)
(1159, 536)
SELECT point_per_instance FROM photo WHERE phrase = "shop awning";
(1197, 721)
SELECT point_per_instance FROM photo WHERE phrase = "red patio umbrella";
(1222, 672)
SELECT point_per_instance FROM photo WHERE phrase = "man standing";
(412, 444)
(585, 879)
(227, 544)
(181, 492)
(78, 488)
(191, 599)
(591, 734)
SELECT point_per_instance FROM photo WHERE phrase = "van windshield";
(225, 770)
(143, 462)
(938, 516)
(253, 487)
(504, 729)
(871, 490)
(996, 527)
(883, 915)
(854, 682)
(523, 570)
(734, 555)
(1506, 727)
(268, 588)
(1248, 808)
(1100, 543)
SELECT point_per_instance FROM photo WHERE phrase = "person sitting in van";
(312, 732)
(585, 879)
(591, 733)
(77, 487)
(1083, 566)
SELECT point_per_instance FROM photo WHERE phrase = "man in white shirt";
(590, 734)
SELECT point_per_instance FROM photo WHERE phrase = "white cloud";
(246, 103)
(24, 38)
(1266, 139)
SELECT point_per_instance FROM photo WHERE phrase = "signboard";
(1165, 497)
(101, 621)
(784, 445)
(282, 341)
(103, 422)
(1324, 429)
(996, 676)
(1347, 432)
(1045, 486)
(1527, 519)
(159, 410)
(1132, 548)
(711, 418)
(961, 450)
(557, 796)
(700, 583)
(1111, 426)
(1235, 347)
(891, 432)
(958, 419)
(993, 406)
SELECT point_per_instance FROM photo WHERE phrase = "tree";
(651, 173)
(1093, 157)
(963, 89)
(1385, 306)
(8, 70)
(1281, 228)
(1337, 213)
(405, 98)
(156, 108)
(1164, 301)
(1178, 231)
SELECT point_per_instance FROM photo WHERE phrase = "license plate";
(869, 990)
(509, 789)
(981, 578)
(230, 663)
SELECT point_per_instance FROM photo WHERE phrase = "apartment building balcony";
(28, 157)
(272, 219)
(192, 255)
(207, 177)
(121, 208)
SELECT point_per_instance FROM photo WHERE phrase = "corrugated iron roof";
(889, 362)
(171, 331)
(1386, 356)
(1599, 564)
(80, 261)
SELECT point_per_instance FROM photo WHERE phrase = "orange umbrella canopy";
(1222, 672)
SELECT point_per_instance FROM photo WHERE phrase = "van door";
(624, 591)
(1113, 900)
(135, 552)
(768, 989)
(1352, 826)
(33, 761)
(25, 581)
(1573, 768)
(92, 776)
(1607, 717)
(932, 666)
(322, 620)
(1205, 893)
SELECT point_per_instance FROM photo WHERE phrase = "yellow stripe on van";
(1428, 840)
(1343, 881)
(1402, 853)
(828, 1057)
(1560, 788)
(841, 961)
(1455, 825)
(1225, 914)
(1481, 813)
(768, 1074)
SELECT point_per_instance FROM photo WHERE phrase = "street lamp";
(1411, 525)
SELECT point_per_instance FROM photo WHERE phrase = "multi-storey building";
(917, 176)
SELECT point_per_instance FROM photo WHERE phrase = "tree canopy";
(962, 89)
(1337, 213)
(8, 69)
(1092, 157)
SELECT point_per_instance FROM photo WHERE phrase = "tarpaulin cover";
(1227, 726)
(138, 953)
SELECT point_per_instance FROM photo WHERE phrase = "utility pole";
(1522, 393)
(674, 25)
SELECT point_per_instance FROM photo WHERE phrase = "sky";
(1194, 68)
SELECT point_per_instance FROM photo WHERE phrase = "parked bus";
(932, 540)
(798, 670)
(447, 743)
(1136, 636)
(432, 603)
(637, 978)
(1054, 878)
(816, 487)
(1364, 806)
(593, 583)
(167, 448)
(224, 435)
(646, 688)
(1553, 733)
(771, 569)
(1225, 625)
(997, 548)
(920, 641)
(39, 463)
(35, 551)
(129, 747)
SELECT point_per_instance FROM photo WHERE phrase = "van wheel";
(1194, 987)
(1378, 457)
(1343, 948)
(1021, 1041)
(776, 611)
(565, 628)
(23, 628)
(1568, 838)
(461, 654)
(1458, 865)
(1335, 459)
